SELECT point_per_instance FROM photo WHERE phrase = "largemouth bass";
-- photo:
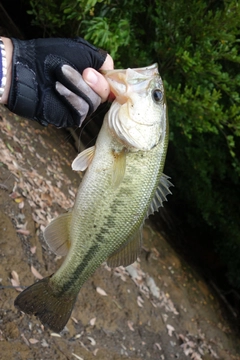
(124, 184)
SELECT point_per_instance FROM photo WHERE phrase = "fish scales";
(112, 210)
(123, 184)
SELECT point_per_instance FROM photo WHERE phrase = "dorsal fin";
(119, 167)
(84, 159)
(160, 195)
(56, 234)
(128, 253)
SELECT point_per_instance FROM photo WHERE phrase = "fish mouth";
(123, 82)
(146, 71)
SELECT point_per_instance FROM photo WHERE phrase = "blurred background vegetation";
(197, 46)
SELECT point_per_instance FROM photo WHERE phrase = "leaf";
(10, 147)
(23, 232)
(33, 341)
(92, 321)
(18, 200)
(72, 193)
(92, 341)
(101, 291)
(15, 281)
(14, 195)
(158, 346)
(74, 320)
(140, 301)
(55, 335)
(44, 343)
(196, 356)
(25, 339)
(77, 357)
(36, 273)
(130, 325)
(21, 205)
(95, 352)
(170, 329)
(33, 249)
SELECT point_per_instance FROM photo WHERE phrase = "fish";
(122, 186)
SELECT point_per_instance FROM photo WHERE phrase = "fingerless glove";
(37, 66)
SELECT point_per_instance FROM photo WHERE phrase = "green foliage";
(107, 35)
(196, 44)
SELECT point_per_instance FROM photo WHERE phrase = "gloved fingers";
(84, 90)
(78, 103)
(36, 66)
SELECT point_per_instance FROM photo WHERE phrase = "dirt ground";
(157, 308)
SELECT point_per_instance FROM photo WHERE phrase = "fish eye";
(157, 95)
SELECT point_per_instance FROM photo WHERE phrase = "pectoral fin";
(160, 195)
(128, 253)
(56, 234)
(119, 167)
(84, 159)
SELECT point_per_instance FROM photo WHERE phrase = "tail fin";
(51, 308)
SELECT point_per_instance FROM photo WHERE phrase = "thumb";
(97, 81)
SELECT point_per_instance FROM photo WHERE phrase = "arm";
(9, 50)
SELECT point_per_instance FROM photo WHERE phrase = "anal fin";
(128, 253)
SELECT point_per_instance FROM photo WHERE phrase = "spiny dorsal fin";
(42, 300)
(160, 195)
(118, 167)
(84, 159)
(56, 234)
(128, 253)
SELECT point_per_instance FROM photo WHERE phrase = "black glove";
(38, 65)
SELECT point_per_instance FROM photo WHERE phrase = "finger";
(97, 82)
(108, 63)
(77, 102)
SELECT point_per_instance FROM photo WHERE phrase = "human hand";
(45, 87)
(91, 84)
